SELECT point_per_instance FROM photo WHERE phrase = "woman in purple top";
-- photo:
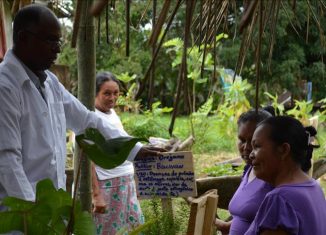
(281, 155)
(251, 192)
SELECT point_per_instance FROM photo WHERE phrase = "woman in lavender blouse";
(251, 192)
(281, 155)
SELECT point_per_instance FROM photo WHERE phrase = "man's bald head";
(29, 17)
(37, 37)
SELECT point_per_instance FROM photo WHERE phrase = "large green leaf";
(47, 194)
(48, 215)
(84, 224)
(11, 221)
(106, 153)
(16, 204)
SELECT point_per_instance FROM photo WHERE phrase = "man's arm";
(12, 176)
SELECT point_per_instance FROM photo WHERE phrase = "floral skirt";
(123, 211)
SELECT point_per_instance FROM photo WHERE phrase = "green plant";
(47, 215)
(128, 101)
(279, 108)
(165, 222)
(223, 170)
(195, 57)
(302, 111)
(149, 124)
(200, 123)
(234, 104)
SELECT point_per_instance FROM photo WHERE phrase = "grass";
(206, 133)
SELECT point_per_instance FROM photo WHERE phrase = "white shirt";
(33, 132)
(125, 168)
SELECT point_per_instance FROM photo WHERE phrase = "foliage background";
(297, 57)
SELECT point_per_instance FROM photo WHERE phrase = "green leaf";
(84, 224)
(106, 153)
(47, 215)
(125, 77)
(39, 219)
(177, 42)
(16, 204)
(59, 219)
(11, 221)
(47, 194)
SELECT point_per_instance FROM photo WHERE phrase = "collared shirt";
(36, 80)
(33, 134)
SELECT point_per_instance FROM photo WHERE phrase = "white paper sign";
(169, 175)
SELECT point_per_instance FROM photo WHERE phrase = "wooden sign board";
(169, 175)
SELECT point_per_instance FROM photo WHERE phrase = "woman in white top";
(114, 194)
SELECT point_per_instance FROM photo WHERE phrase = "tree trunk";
(86, 92)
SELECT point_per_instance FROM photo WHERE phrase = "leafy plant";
(125, 77)
(165, 222)
(128, 101)
(47, 215)
(234, 104)
(195, 57)
(149, 125)
(279, 108)
(302, 111)
(224, 169)
(200, 123)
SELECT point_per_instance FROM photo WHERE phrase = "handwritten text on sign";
(170, 175)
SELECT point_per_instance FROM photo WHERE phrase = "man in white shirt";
(35, 109)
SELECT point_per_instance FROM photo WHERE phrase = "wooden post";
(86, 90)
(202, 214)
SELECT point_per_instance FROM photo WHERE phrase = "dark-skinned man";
(36, 109)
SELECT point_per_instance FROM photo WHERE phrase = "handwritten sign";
(169, 175)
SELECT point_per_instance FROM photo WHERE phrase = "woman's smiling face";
(265, 156)
(245, 133)
(107, 96)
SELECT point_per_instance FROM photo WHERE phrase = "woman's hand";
(223, 226)
(99, 204)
